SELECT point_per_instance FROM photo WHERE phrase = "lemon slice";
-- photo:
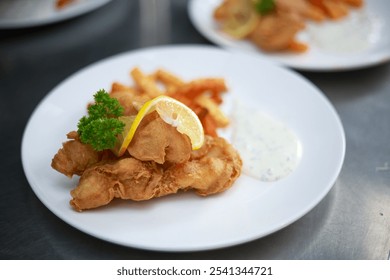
(172, 112)
(120, 147)
(240, 28)
(183, 118)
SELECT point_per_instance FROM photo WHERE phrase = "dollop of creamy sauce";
(355, 33)
(269, 149)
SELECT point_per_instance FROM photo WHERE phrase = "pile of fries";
(203, 95)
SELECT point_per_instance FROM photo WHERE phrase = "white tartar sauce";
(269, 149)
(355, 33)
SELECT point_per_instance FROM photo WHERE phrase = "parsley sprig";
(101, 127)
(265, 6)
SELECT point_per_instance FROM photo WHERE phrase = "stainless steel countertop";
(351, 222)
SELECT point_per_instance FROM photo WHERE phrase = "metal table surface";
(351, 222)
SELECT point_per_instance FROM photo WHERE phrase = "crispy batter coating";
(127, 178)
(210, 170)
(157, 141)
(128, 97)
(265, 37)
(74, 157)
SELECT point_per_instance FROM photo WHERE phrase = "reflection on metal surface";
(385, 167)
(155, 22)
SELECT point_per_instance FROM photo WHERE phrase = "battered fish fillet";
(170, 147)
(157, 141)
(210, 170)
(159, 161)
(128, 98)
(74, 157)
(265, 37)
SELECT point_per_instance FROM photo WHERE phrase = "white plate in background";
(360, 40)
(26, 13)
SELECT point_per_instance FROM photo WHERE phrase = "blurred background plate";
(27, 13)
(357, 41)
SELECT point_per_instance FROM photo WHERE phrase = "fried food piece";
(159, 160)
(203, 95)
(149, 85)
(63, 3)
(169, 146)
(265, 36)
(145, 83)
(74, 157)
(125, 178)
(210, 170)
(194, 88)
(301, 8)
(157, 141)
(204, 88)
(355, 3)
(276, 30)
(215, 112)
(336, 9)
(209, 125)
(170, 81)
(128, 97)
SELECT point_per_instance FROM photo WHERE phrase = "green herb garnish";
(265, 6)
(101, 127)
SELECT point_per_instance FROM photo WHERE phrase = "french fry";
(202, 95)
(199, 86)
(145, 83)
(315, 13)
(213, 109)
(168, 79)
(209, 126)
(121, 87)
(355, 3)
(335, 9)
(298, 47)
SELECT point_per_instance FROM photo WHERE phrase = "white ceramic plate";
(24, 13)
(358, 41)
(186, 222)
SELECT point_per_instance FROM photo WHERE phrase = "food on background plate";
(147, 140)
(273, 25)
(60, 4)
